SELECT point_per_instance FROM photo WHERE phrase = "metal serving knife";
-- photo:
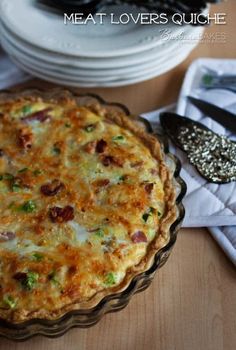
(220, 115)
(213, 155)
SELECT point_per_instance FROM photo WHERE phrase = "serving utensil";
(213, 155)
(222, 116)
(211, 80)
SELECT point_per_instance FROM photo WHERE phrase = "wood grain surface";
(191, 305)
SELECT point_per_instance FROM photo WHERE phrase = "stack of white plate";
(90, 55)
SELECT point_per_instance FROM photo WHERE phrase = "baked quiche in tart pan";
(90, 203)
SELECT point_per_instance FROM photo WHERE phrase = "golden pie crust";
(87, 200)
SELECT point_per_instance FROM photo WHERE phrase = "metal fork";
(212, 80)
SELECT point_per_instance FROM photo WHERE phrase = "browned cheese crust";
(86, 201)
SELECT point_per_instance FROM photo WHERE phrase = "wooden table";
(191, 304)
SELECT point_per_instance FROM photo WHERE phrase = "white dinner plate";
(105, 74)
(90, 40)
(12, 47)
(177, 59)
(168, 47)
(75, 76)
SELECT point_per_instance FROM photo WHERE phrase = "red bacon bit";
(7, 236)
(154, 172)
(101, 146)
(139, 237)
(149, 188)
(40, 116)
(90, 147)
(60, 215)
(96, 146)
(102, 182)
(72, 269)
(51, 189)
(117, 161)
(108, 160)
(25, 139)
(22, 181)
(20, 276)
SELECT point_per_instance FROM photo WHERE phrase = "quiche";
(86, 200)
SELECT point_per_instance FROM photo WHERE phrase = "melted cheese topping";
(106, 176)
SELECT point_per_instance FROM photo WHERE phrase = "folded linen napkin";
(207, 205)
(199, 195)
(224, 235)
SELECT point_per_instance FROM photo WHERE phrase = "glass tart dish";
(90, 209)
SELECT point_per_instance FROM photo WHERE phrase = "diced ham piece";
(25, 139)
(52, 188)
(102, 182)
(60, 215)
(110, 160)
(20, 276)
(40, 116)
(7, 236)
(138, 237)
(96, 146)
(149, 188)
(101, 146)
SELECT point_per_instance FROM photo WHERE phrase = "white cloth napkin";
(207, 205)
(200, 194)
(9, 74)
(224, 235)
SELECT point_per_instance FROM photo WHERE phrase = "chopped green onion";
(145, 217)
(52, 278)
(26, 109)
(148, 214)
(56, 150)
(37, 256)
(22, 170)
(28, 206)
(99, 233)
(6, 176)
(31, 280)
(16, 187)
(9, 301)
(37, 172)
(118, 138)
(67, 125)
(122, 178)
(90, 128)
(159, 214)
(110, 279)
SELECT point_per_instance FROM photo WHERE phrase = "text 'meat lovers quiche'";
(86, 201)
